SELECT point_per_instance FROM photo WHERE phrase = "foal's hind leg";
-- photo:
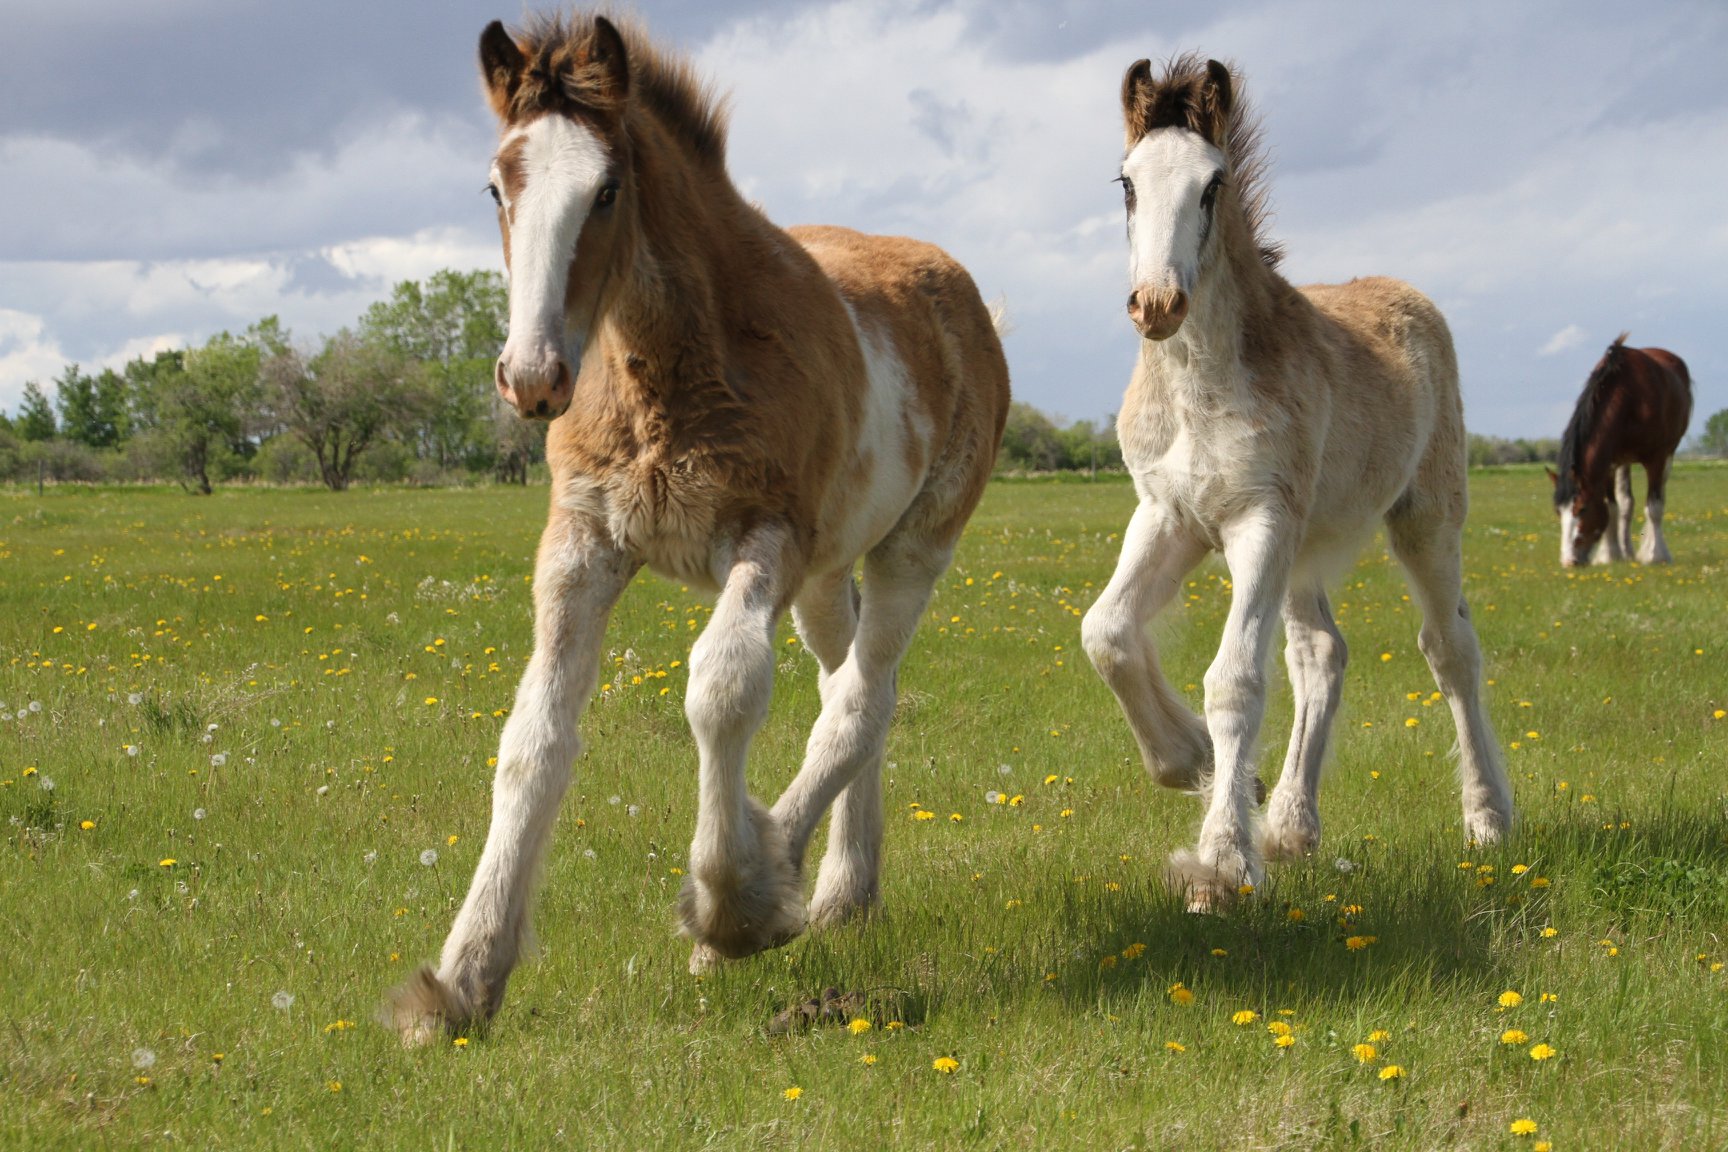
(1156, 554)
(577, 579)
(1429, 549)
(843, 760)
(1654, 548)
(1618, 539)
(1315, 654)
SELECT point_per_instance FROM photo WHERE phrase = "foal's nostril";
(542, 408)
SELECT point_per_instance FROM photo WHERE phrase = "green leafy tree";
(1713, 441)
(453, 327)
(35, 420)
(199, 405)
(92, 408)
(339, 402)
(1030, 442)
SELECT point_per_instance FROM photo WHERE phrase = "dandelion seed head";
(282, 1001)
(429, 857)
(143, 1058)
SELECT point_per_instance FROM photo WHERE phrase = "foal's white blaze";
(563, 166)
(1169, 169)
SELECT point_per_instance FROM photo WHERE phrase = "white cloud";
(1564, 340)
(1476, 150)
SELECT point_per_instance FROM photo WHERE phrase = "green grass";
(315, 630)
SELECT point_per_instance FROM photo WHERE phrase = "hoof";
(703, 960)
(1483, 828)
(421, 1009)
(1291, 832)
(737, 909)
(1208, 887)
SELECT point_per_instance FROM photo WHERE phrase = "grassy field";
(244, 750)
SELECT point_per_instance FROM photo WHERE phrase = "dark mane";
(1177, 99)
(1583, 423)
(557, 47)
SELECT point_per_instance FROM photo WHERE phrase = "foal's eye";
(1210, 196)
(496, 198)
(1127, 189)
(607, 195)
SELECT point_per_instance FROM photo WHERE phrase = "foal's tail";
(999, 319)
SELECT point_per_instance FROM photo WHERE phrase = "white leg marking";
(742, 894)
(1156, 554)
(577, 579)
(1432, 560)
(844, 756)
(1259, 553)
(1316, 656)
(1620, 523)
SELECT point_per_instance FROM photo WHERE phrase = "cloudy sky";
(1550, 172)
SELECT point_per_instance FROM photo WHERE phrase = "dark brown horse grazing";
(1634, 410)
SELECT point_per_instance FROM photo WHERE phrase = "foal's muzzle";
(1157, 312)
(538, 385)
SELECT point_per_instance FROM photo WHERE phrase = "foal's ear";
(606, 60)
(1216, 95)
(501, 65)
(1137, 98)
(1553, 476)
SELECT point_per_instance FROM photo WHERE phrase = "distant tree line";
(405, 395)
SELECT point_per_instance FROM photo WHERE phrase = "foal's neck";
(1236, 295)
(668, 319)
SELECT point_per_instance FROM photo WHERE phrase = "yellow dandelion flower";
(450, 840)
(867, 1059)
(1542, 1146)
(1379, 1036)
(1385, 657)
(1245, 1017)
(1173, 1046)
(1133, 951)
(1365, 1053)
(1718, 714)
(955, 817)
(460, 1042)
(1510, 999)
(334, 1085)
(1520, 869)
(1219, 953)
(86, 825)
(1050, 779)
(1295, 915)
(1356, 943)
(1411, 722)
(1285, 1041)
(1550, 932)
(1392, 1072)
(946, 1065)
(793, 1092)
(858, 1026)
(1514, 1036)
(924, 814)
(894, 1025)
(1523, 1126)
(1180, 995)
(1278, 1028)
(1539, 882)
(431, 700)
(1543, 1052)
(167, 862)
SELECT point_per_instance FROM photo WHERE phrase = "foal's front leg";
(1259, 551)
(743, 893)
(578, 576)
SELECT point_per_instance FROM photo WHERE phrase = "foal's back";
(1391, 374)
